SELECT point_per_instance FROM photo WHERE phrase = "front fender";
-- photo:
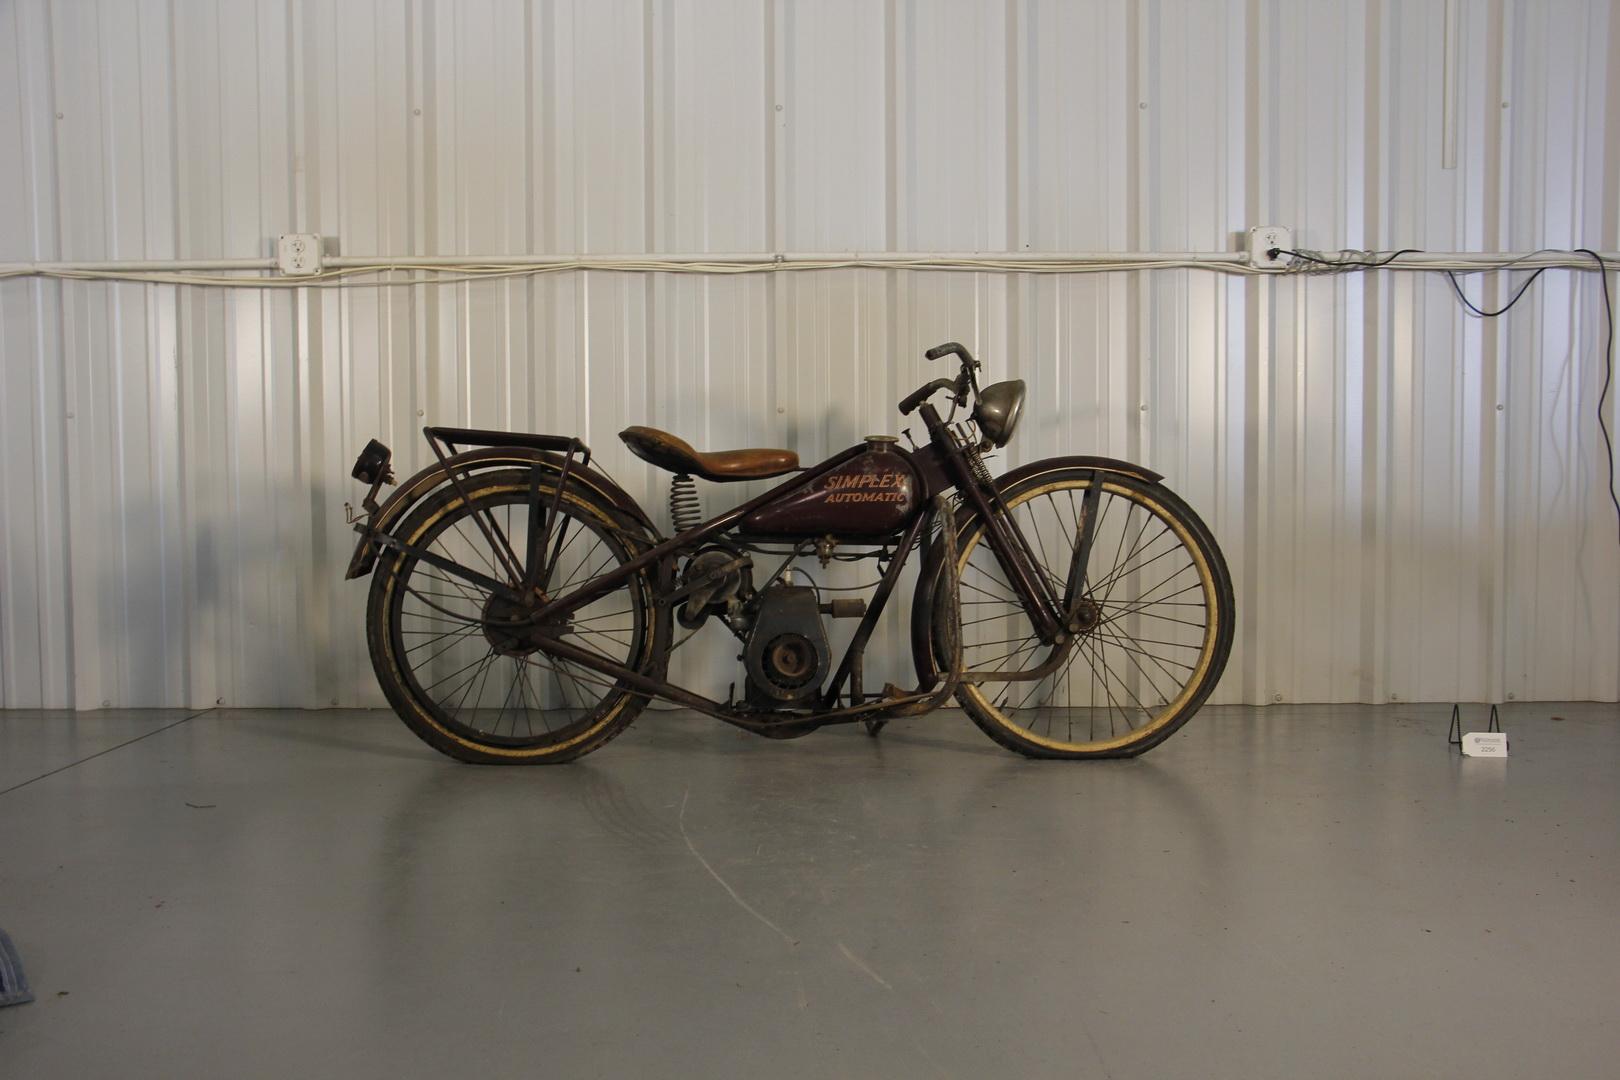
(1082, 461)
(922, 599)
(413, 489)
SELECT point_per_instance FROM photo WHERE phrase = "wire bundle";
(343, 272)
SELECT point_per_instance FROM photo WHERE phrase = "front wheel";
(1155, 615)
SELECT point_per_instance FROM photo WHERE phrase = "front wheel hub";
(1086, 617)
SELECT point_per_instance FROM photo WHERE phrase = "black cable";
(1456, 287)
(1346, 264)
(1451, 276)
(1608, 373)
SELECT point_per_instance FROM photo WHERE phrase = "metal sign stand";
(1454, 732)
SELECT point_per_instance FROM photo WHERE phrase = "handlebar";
(958, 386)
(948, 349)
(923, 393)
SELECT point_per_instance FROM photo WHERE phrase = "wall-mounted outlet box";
(298, 254)
(1263, 240)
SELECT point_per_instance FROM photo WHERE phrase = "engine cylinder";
(787, 655)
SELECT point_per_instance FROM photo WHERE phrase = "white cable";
(444, 270)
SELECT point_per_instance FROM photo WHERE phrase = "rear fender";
(412, 490)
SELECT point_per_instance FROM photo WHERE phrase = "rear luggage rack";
(561, 444)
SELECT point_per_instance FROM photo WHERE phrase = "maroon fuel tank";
(874, 493)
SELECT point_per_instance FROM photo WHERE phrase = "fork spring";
(976, 463)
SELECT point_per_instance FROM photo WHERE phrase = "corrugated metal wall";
(1412, 502)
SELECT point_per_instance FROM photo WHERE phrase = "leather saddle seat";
(675, 454)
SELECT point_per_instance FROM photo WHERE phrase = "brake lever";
(966, 378)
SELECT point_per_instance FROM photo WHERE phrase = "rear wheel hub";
(509, 631)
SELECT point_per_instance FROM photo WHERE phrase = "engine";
(786, 655)
(716, 581)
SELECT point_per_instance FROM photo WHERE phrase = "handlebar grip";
(947, 349)
(923, 393)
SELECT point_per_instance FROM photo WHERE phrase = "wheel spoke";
(1122, 638)
(1107, 692)
(1145, 563)
(466, 688)
(1125, 687)
(463, 636)
(1145, 598)
(986, 592)
(1138, 605)
(522, 680)
(1130, 654)
(1106, 585)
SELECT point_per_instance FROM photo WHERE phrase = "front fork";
(1054, 617)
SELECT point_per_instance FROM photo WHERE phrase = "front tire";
(1158, 598)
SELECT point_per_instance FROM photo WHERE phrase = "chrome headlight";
(997, 410)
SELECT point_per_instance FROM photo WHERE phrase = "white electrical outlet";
(1263, 240)
(298, 254)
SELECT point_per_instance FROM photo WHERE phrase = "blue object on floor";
(13, 984)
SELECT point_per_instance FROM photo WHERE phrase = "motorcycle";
(523, 607)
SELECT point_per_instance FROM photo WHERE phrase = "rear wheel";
(461, 664)
(1154, 621)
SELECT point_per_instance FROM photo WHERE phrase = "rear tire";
(487, 695)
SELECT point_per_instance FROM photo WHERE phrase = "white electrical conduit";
(445, 269)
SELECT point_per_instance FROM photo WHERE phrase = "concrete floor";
(1287, 892)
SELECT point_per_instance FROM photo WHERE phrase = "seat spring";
(685, 510)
